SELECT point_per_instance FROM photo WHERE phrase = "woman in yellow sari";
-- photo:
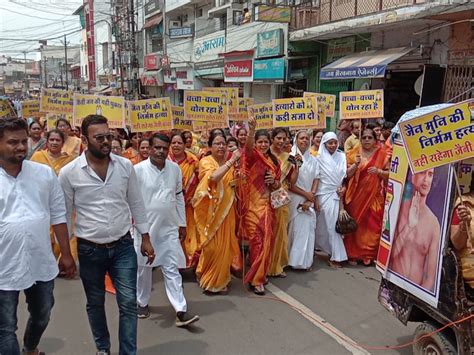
(367, 170)
(262, 170)
(72, 145)
(56, 159)
(279, 259)
(189, 165)
(214, 214)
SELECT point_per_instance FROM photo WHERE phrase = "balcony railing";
(318, 12)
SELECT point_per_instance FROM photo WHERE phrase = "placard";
(205, 106)
(242, 115)
(111, 107)
(329, 101)
(179, 122)
(439, 138)
(150, 115)
(51, 119)
(263, 114)
(56, 101)
(298, 112)
(356, 105)
(201, 126)
(232, 96)
(30, 108)
(6, 110)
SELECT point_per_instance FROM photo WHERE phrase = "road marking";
(307, 313)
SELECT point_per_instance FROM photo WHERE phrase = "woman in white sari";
(332, 171)
(302, 221)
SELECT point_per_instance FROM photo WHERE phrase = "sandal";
(334, 264)
(259, 290)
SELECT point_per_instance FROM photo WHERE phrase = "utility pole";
(65, 60)
(133, 56)
(25, 74)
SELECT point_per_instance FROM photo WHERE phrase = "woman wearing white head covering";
(332, 171)
(302, 221)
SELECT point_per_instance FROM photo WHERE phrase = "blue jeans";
(40, 300)
(120, 261)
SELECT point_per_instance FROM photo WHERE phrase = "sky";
(23, 22)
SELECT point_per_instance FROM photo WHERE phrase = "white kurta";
(164, 204)
(301, 227)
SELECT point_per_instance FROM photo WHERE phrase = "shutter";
(261, 93)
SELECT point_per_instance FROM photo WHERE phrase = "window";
(199, 12)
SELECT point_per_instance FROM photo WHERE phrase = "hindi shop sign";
(179, 122)
(209, 48)
(150, 115)
(56, 101)
(238, 70)
(205, 106)
(111, 107)
(356, 105)
(263, 114)
(298, 112)
(439, 138)
(270, 43)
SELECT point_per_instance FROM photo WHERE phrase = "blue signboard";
(181, 32)
(269, 69)
(375, 71)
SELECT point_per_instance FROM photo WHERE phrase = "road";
(241, 323)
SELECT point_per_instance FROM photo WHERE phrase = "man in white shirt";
(31, 200)
(160, 182)
(103, 190)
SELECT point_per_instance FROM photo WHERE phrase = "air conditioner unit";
(174, 24)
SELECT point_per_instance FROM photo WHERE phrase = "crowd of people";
(243, 201)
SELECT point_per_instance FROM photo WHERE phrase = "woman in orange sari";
(56, 159)
(214, 214)
(262, 170)
(367, 171)
(189, 165)
(132, 150)
(143, 152)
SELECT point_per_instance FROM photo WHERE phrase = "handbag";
(345, 223)
(279, 198)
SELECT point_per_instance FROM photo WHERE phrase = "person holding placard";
(214, 213)
(364, 200)
(262, 170)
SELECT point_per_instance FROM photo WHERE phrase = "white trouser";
(173, 286)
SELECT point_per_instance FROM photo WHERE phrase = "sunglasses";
(100, 138)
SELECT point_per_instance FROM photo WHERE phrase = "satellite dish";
(418, 84)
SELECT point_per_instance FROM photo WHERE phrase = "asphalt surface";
(240, 322)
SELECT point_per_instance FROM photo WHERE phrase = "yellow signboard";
(179, 122)
(56, 101)
(439, 138)
(150, 115)
(242, 115)
(111, 107)
(329, 102)
(6, 110)
(356, 105)
(51, 119)
(30, 108)
(298, 112)
(263, 114)
(205, 106)
(231, 97)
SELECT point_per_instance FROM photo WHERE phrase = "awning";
(153, 21)
(369, 64)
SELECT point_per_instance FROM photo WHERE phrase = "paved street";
(242, 323)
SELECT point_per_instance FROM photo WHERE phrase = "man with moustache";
(103, 190)
(160, 181)
(30, 201)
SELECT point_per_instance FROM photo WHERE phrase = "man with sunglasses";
(103, 190)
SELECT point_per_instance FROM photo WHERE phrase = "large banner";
(298, 112)
(111, 107)
(56, 101)
(6, 110)
(329, 101)
(415, 227)
(242, 115)
(231, 97)
(263, 114)
(439, 138)
(356, 105)
(205, 106)
(150, 115)
(179, 122)
(30, 108)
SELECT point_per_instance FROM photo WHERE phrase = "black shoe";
(103, 352)
(183, 319)
(143, 312)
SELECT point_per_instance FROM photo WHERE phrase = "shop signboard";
(357, 105)
(208, 48)
(270, 43)
(150, 115)
(184, 79)
(151, 6)
(169, 76)
(340, 47)
(181, 32)
(268, 13)
(112, 107)
(152, 62)
(238, 70)
(269, 69)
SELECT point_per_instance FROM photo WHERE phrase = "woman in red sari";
(189, 165)
(367, 171)
(262, 170)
